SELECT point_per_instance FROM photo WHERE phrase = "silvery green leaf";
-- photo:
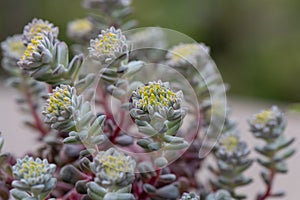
(37, 188)
(108, 78)
(85, 119)
(20, 185)
(126, 189)
(39, 73)
(71, 140)
(286, 155)
(62, 54)
(133, 67)
(146, 128)
(281, 168)
(93, 195)
(84, 83)
(283, 143)
(50, 185)
(266, 164)
(19, 195)
(124, 140)
(178, 146)
(173, 139)
(168, 192)
(144, 143)
(98, 139)
(167, 178)
(70, 174)
(96, 125)
(154, 146)
(116, 92)
(97, 189)
(81, 186)
(161, 161)
(173, 130)
(119, 196)
(74, 65)
(149, 188)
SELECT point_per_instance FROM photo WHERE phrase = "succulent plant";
(232, 160)
(114, 174)
(33, 177)
(269, 125)
(109, 45)
(82, 140)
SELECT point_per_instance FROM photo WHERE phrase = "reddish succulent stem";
(118, 128)
(37, 121)
(269, 187)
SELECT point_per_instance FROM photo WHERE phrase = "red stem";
(269, 187)
(37, 120)
(118, 129)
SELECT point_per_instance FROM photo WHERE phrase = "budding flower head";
(60, 107)
(34, 175)
(186, 54)
(79, 29)
(112, 167)
(13, 47)
(109, 45)
(36, 27)
(156, 95)
(229, 141)
(38, 52)
(267, 124)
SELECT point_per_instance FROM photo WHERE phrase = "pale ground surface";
(19, 139)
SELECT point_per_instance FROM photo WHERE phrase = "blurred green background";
(255, 43)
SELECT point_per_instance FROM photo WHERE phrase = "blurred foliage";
(254, 43)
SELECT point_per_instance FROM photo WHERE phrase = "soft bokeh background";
(254, 43)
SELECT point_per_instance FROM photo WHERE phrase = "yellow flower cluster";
(114, 164)
(107, 43)
(264, 116)
(32, 47)
(229, 142)
(32, 169)
(155, 94)
(80, 26)
(59, 100)
(38, 27)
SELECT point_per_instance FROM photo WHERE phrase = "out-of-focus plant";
(124, 136)
(269, 125)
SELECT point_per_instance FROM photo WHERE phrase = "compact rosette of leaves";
(111, 50)
(33, 178)
(12, 50)
(158, 113)
(193, 61)
(67, 111)
(109, 45)
(114, 174)
(232, 160)
(269, 125)
(46, 58)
